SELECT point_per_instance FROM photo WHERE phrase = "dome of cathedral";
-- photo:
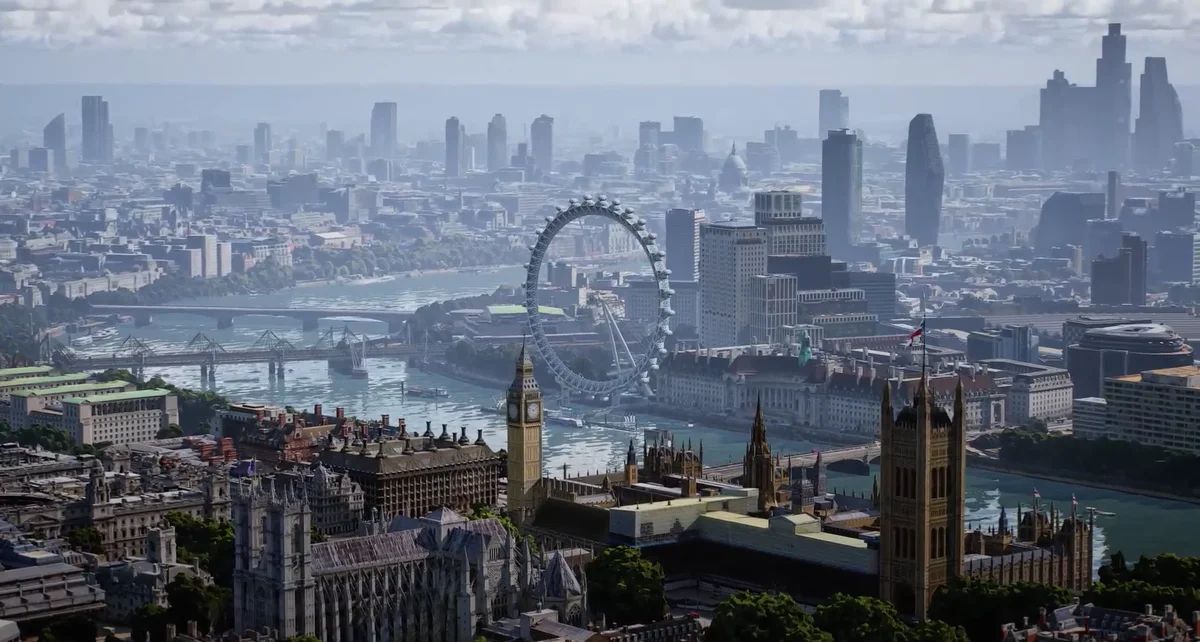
(733, 173)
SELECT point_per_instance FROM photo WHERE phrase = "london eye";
(630, 369)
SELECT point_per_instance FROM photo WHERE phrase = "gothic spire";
(631, 456)
(1003, 524)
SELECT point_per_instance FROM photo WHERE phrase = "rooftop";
(10, 373)
(119, 396)
(45, 381)
(520, 309)
(74, 388)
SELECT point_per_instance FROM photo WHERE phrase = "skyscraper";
(645, 159)
(262, 143)
(383, 130)
(335, 142)
(456, 147)
(959, 151)
(683, 243)
(1023, 148)
(1160, 119)
(731, 255)
(541, 140)
(833, 112)
(789, 231)
(922, 488)
(1114, 97)
(97, 144)
(54, 138)
(497, 143)
(841, 190)
(924, 179)
(689, 133)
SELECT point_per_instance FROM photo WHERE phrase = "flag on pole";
(1036, 494)
(919, 332)
(1074, 502)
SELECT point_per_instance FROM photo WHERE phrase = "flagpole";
(924, 345)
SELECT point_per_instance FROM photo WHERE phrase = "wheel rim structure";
(638, 373)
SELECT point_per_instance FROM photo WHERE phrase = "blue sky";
(848, 42)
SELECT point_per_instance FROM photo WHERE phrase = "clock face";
(514, 411)
(533, 410)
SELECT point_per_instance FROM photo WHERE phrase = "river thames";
(1142, 525)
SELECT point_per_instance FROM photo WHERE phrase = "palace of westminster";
(391, 574)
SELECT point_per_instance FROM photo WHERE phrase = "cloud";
(439, 25)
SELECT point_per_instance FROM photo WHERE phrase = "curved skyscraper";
(924, 179)
(1160, 119)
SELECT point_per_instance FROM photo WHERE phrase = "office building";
(1012, 342)
(383, 130)
(335, 143)
(118, 417)
(40, 160)
(688, 135)
(1036, 391)
(772, 308)
(731, 255)
(922, 494)
(262, 143)
(959, 153)
(879, 289)
(924, 180)
(1114, 91)
(986, 156)
(841, 190)
(1177, 209)
(497, 143)
(54, 138)
(1088, 127)
(1112, 194)
(97, 145)
(1023, 148)
(207, 244)
(833, 112)
(789, 231)
(1159, 407)
(1176, 257)
(683, 242)
(1062, 218)
(645, 160)
(1121, 279)
(1120, 350)
(541, 143)
(456, 148)
(1160, 119)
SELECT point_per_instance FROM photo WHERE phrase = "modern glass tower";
(924, 179)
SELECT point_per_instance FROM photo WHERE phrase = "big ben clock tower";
(524, 439)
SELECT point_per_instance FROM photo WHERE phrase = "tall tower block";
(922, 499)
(524, 439)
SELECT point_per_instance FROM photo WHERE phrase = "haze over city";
(599, 321)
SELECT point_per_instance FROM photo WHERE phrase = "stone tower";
(631, 465)
(273, 583)
(921, 505)
(524, 439)
(758, 469)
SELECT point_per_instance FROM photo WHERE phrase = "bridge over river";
(310, 318)
(728, 472)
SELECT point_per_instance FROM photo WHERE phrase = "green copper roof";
(83, 388)
(119, 396)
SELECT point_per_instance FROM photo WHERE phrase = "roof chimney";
(341, 413)
(386, 421)
(317, 410)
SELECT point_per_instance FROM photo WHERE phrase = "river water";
(1142, 524)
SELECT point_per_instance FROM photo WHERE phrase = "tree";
(860, 619)
(936, 631)
(762, 617)
(206, 542)
(192, 600)
(149, 621)
(624, 586)
(981, 607)
(86, 539)
(170, 432)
